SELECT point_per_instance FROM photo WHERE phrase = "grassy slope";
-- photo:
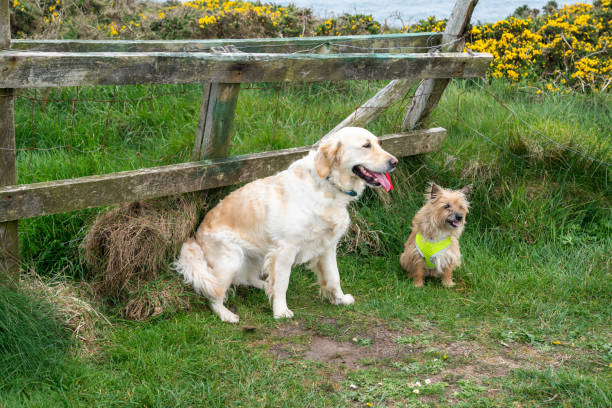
(536, 262)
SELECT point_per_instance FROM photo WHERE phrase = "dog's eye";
(446, 206)
(367, 145)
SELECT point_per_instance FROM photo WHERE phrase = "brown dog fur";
(434, 221)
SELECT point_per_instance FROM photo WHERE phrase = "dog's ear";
(432, 191)
(467, 190)
(327, 154)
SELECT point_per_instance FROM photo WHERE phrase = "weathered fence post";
(215, 124)
(429, 92)
(9, 239)
(216, 121)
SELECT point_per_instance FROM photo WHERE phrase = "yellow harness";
(429, 249)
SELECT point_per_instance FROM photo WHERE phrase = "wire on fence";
(73, 101)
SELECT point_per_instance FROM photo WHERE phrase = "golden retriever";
(296, 216)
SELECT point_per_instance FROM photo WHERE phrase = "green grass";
(528, 324)
(33, 343)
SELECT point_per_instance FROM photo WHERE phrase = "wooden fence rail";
(36, 199)
(32, 69)
(388, 43)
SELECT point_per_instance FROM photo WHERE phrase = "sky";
(401, 12)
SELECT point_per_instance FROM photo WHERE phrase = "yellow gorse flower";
(215, 15)
(571, 45)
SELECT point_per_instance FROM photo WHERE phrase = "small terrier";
(433, 246)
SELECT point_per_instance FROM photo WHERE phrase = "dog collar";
(429, 249)
(351, 193)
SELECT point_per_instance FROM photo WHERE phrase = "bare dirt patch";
(326, 350)
(475, 361)
(480, 362)
(380, 344)
(483, 360)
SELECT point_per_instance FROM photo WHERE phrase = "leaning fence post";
(376, 105)
(9, 239)
(215, 124)
(429, 92)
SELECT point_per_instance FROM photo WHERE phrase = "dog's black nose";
(458, 217)
(393, 162)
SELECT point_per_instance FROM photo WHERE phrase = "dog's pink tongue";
(384, 180)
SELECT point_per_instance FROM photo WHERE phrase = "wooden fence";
(221, 66)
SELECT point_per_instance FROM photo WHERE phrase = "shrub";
(348, 24)
(97, 19)
(570, 47)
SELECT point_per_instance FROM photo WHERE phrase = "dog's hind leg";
(226, 261)
(205, 280)
(249, 273)
(257, 283)
(223, 312)
(326, 268)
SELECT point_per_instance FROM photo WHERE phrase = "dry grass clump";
(76, 313)
(131, 246)
(527, 147)
(549, 154)
(163, 295)
(478, 170)
(360, 237)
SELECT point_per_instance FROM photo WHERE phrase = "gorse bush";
(97, 19)
(571, 46)
(348, 24)
(568, 48)
(226, 19)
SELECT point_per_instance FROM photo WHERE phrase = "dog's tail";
(192, 265)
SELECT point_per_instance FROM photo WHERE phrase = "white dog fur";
(296, 216)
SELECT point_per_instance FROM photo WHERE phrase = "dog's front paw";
(448, 283)
(345, 300)
(284, 313)
(418, 283)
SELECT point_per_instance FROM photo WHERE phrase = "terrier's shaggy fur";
(442, 216)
